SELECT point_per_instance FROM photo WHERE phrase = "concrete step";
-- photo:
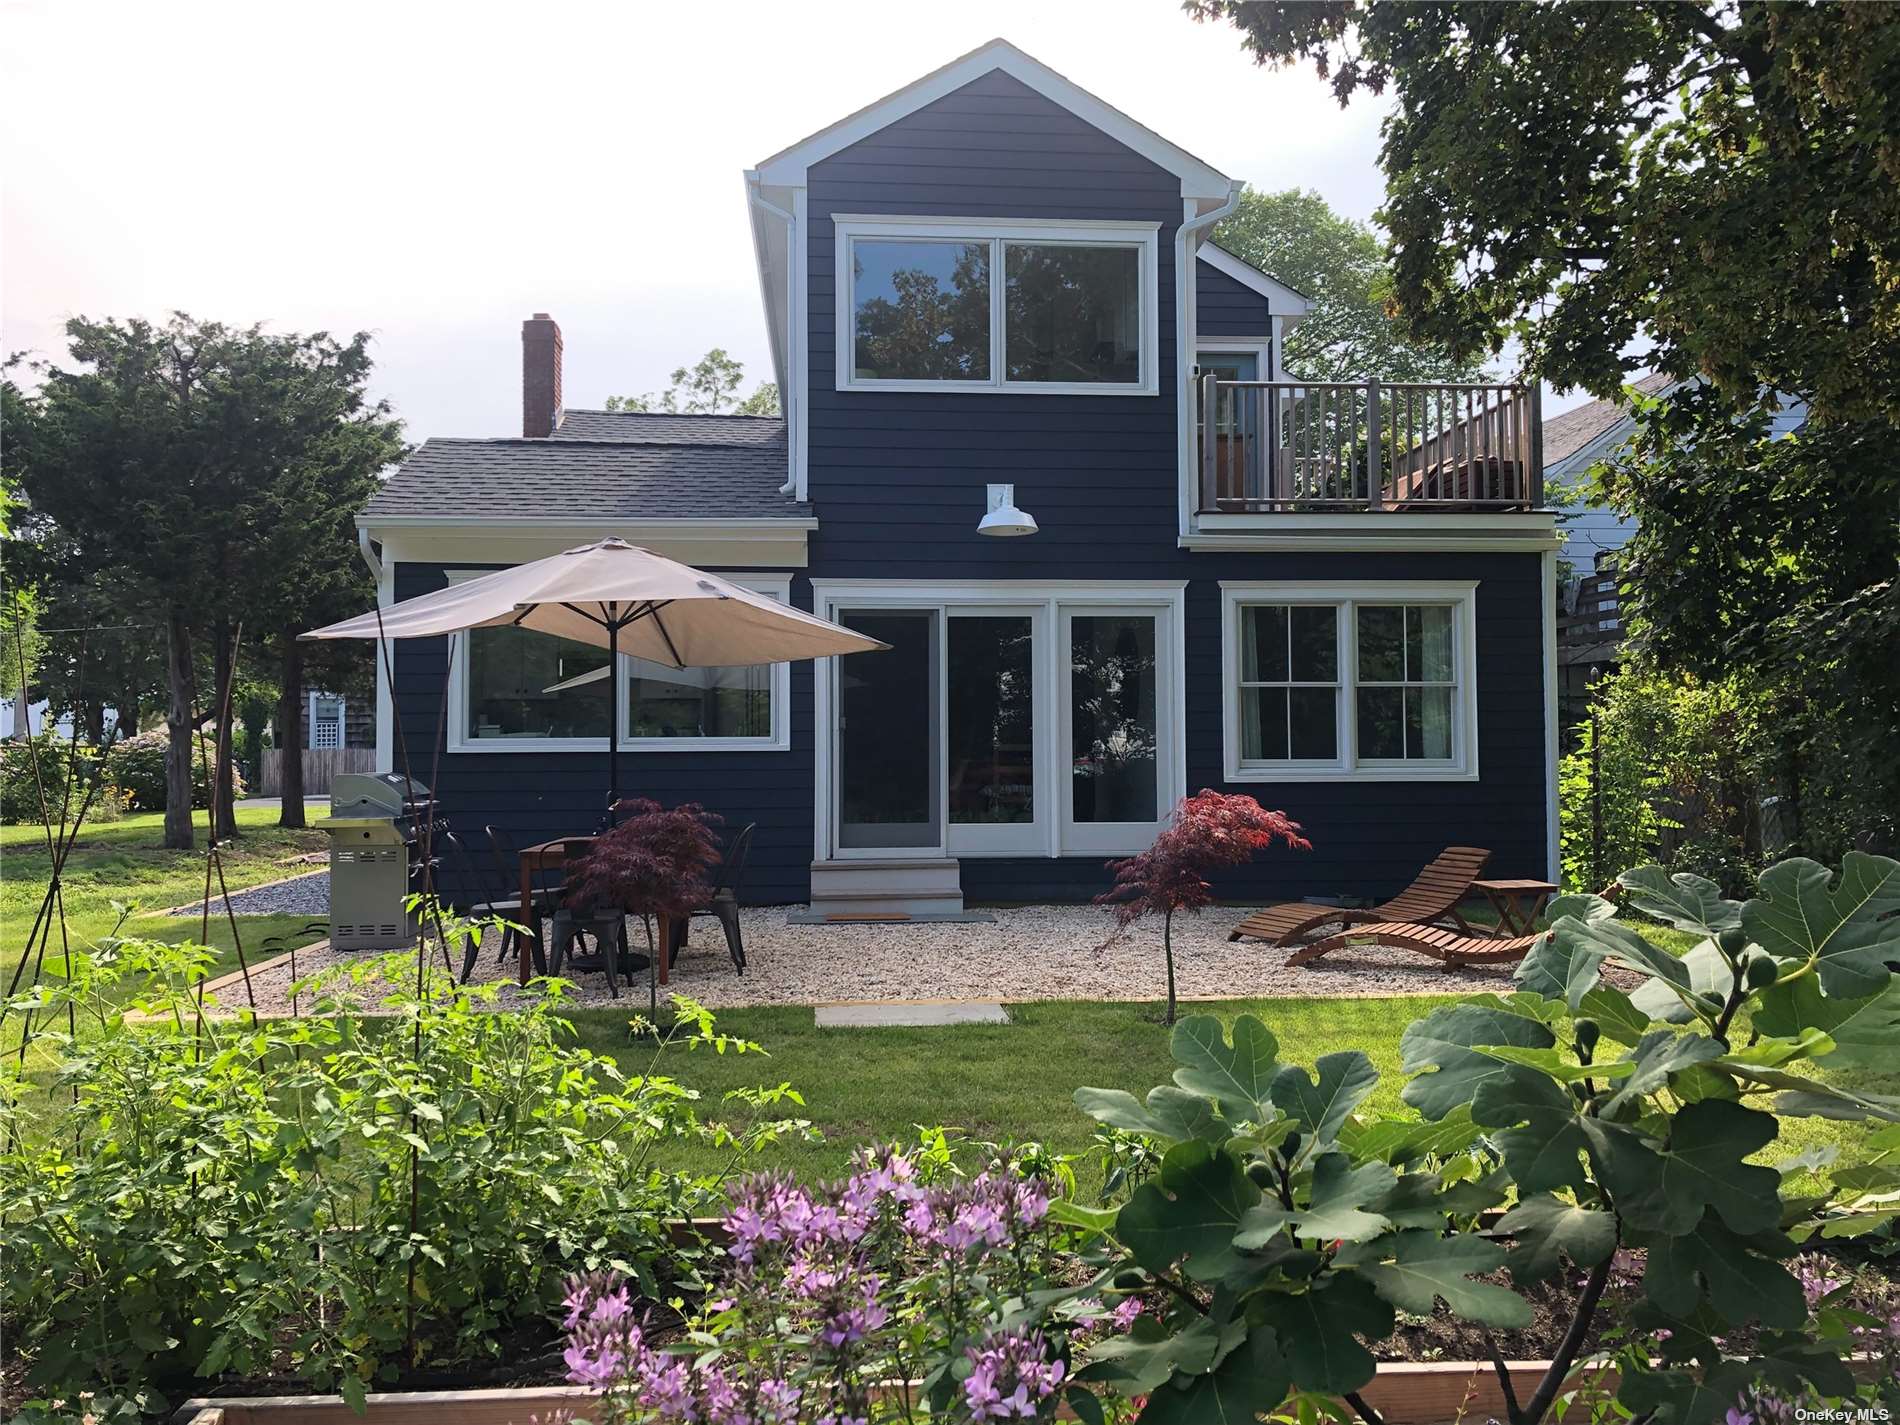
(886, 887)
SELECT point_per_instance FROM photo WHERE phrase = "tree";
(1708, 189)
(1207, 832)
(200, 458)
(1351, 333)
(709, 388)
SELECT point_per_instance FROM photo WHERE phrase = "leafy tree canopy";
(1352, 331)
(709, 388)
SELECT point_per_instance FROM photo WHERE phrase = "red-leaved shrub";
(1207, 831)
(655, 863)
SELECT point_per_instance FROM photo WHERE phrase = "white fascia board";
(771, 246)
(766, 543)
(1374, 533)
(538, 525)
(1282, 300)
(1198, 179)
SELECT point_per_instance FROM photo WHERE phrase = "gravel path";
(305, 895)
(1029, 953)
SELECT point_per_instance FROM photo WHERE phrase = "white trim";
(1346, 596)
(1372, 531)
(766, 526)
(1282, 301)
(779, 586)
(1258, 347)
(789, 165)
(1052, 597)
(1552, 826)
(799, 440)
(385, 703)
(765, 543)
(998, 232)
(1195, 225)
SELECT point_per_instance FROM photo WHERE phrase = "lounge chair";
(1456, 948)
(1433, 896)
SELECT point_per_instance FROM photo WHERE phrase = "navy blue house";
(995, 311)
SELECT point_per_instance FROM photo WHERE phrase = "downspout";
(764, 204)
(1189, 329)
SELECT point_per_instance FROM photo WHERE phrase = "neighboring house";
(991, 290)
(331, 720)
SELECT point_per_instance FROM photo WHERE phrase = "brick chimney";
(540, 375)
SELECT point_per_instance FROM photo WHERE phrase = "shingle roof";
(1570, 432)
(625, 467)
(653, 428)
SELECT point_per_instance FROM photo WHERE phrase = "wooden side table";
(1518, 903)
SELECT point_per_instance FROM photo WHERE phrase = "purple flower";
(1125, 1312)
(1010, 1375)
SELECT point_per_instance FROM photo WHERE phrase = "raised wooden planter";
(1404, 1393)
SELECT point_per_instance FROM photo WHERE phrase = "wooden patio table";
(547, 856)
(1518, 903)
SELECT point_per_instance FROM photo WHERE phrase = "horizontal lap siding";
(537, 796)
(1222, 307)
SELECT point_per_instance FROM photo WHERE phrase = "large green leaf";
(1423, 1200)
(1544, 1153)
(1688, 902)
(1190, 1209)
(1657, 1057)
(1399, 1141)
(1865, 1031)
(1170, 1113)
(1704, 974)
(1338, 1193)
(1676, 1397)
(1564, 965)
(1442, 1042)
(1812, 1098)
(1615, 1014)
(1250, 1381)
(1321, 1106)
(1148, 1353)
(1742, 1284)
(1700, 1166)
(1544, 1230)
(1317, 1331)
(1555, 1063)
(1237, 1075)
(1416, 1268)
(1848, 928)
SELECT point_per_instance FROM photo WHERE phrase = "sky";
(433, 173)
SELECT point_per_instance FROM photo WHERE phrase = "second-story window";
(962, 304)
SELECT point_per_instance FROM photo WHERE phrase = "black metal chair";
(607, 924)
(477, 898)
(723, 904)
(507, 864)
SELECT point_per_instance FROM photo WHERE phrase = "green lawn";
(1016, 1080)
(123, 861)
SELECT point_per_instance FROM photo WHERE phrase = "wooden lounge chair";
(1455, 948)
(1433, 896)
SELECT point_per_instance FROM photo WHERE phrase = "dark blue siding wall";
(1223, 307)
(536, 796)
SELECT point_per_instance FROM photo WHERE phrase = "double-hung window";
(965, 304)
(1324, 681)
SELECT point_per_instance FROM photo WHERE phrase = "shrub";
(1207, 833)
(1283, 1228)
(137, 765)
(20, 790)
(237, 1195)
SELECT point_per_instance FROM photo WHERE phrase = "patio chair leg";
(470, 955)
(609, 952)
(728, 913)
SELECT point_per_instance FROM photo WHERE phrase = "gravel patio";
(1028, 953)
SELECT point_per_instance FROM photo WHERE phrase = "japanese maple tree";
(1208, 831)
(655, 863)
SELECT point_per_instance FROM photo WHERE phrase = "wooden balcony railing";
(1298, 446)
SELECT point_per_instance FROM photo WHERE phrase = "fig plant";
(1285, 1229)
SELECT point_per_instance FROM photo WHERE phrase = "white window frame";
(778, 586)
(1145, 237)
(1461, 596)
(1051, 601)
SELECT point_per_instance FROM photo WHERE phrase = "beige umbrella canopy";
(618, 596)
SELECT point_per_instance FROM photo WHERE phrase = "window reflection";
(922, 310)
(991, 689)
(1114, 751)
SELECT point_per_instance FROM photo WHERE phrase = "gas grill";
(375, 827)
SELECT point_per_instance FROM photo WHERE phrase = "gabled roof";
(1576, 430)
(1282, 300)
(1199, 180)
(600, 466)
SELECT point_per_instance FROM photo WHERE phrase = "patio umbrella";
(625, 599)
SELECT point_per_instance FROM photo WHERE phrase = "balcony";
(1297, 447)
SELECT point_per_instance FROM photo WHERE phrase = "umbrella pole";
(613, 726)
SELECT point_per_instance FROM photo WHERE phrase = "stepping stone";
(900, 1014)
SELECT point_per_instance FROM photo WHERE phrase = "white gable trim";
(1198, 179)
(1282, 300)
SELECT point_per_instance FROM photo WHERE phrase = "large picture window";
(1327, 681)
(514, 690)
(947, 304)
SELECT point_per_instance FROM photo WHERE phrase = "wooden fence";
(320, 764)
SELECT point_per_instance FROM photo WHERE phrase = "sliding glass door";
(889, 747)
(1117, 710)
(996, 800)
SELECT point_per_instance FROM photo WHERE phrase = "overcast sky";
(434, 172)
